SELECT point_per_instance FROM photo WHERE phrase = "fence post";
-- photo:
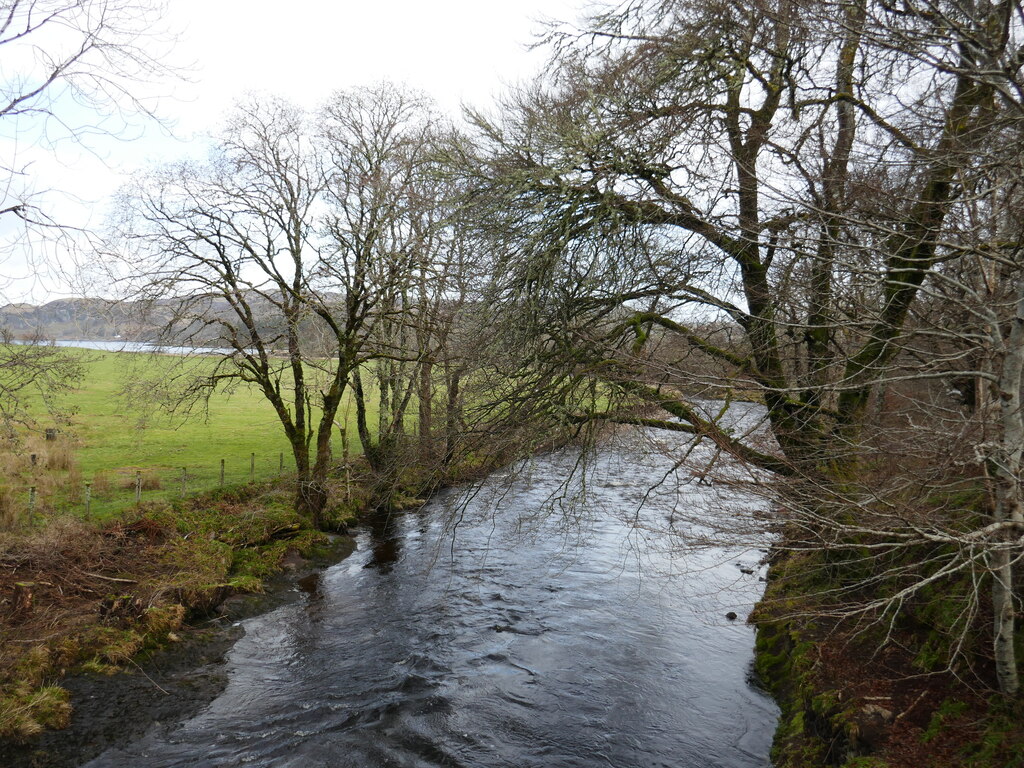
(280, 464)
(138, 486)
(252, 467)
(222, 473)
(32, 505)
(34, 459)
(88, 500)
(183, 473)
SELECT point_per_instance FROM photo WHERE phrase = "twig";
(154, 682)
(917, 701)
(110, 578)
(36, 640)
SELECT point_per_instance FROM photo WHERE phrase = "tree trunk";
(1008, 506)
(1004, 624)
(311, 500)
(425, 396)
(365, 438)
(300, 452)
(453, 415)
(21, 601)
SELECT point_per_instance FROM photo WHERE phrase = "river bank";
(876, 694)
(86, 598)
(169, 682)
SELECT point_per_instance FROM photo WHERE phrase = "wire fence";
(110, 491)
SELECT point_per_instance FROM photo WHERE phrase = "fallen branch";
(905, 712)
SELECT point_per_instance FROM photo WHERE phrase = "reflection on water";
(384, 531)
(514, 638)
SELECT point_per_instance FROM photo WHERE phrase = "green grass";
(113, 435)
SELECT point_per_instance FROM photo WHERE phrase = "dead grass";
(8, 508)
(28, 715)
(54, 473)
(60, 455)
(73, 485)
(149, 478)
(98, 597)
(102, 485)
(51, 455)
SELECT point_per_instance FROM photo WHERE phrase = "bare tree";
(74, 70)
(229, 249)
(397, 256)
(971, 328)
(316, 260)
(753, 198)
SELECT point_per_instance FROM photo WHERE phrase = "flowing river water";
(527, 625)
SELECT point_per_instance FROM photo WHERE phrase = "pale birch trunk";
(1008, 507)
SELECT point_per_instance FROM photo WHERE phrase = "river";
(518, 625)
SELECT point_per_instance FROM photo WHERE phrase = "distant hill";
(92, 319)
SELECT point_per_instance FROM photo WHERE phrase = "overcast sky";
(458, 51)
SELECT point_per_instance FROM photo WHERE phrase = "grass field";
(112, 434)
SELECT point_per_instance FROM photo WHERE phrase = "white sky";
(458, 51)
